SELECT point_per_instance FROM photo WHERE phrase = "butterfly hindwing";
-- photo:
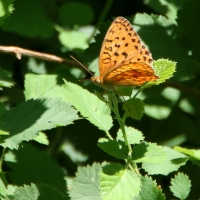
(131, 74)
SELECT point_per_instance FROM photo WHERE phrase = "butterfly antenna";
(81, 65)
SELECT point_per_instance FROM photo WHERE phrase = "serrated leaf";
(35, 192)
(86, 184)
(47, 192)
(90, 106)
(134, 108)
(171, 163)
(114, 148)
(5, 80)
(147, 152)
(24, 121)
(26, 192)
(133, 135)
(118, 183)
(149, 190)
(42, 138)
(42, 86)
(164, 69)
(180, 186)
(10, 189)
(39, 169)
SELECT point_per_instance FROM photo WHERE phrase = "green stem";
(1, 159)
(108, 135)
(112, 101)
(141, 88)
(138, 92)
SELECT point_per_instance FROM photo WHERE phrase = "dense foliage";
(62, 139)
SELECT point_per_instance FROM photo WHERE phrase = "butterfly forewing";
(121, 46)
(124, 59)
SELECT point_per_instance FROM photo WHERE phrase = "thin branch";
(19, 52)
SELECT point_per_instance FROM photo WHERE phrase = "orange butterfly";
(124, 60)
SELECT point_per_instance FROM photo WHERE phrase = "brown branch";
(19, 52)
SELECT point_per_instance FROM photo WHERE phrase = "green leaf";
(10, 189)
(193, 154)
(86, 184)
(124, 91)
(2, 128)
(134, 108)
(164, 69)
(166, 8)
(150, 153)
(171, 163)
(36, 67)
(26, 192)
(180, 186)
(3, 189)
(118, 183)
(73, 39)
(134, 136)
(42, 138)
(41, 26)
(114, 148)
(24, 121)
(39, 169)
(42, 86)
(149, 190)
(6, 8)
(93, 66)
(90, 106)
(100, 96)
(35, 192)
(5, 80)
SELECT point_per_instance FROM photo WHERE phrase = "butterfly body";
(124, 60)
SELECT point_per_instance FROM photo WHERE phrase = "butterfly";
(124, 60)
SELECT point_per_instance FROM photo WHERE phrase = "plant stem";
(112, 101)
(108, 135)
(1, 159)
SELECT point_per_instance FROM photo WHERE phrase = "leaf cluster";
(63, 139)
